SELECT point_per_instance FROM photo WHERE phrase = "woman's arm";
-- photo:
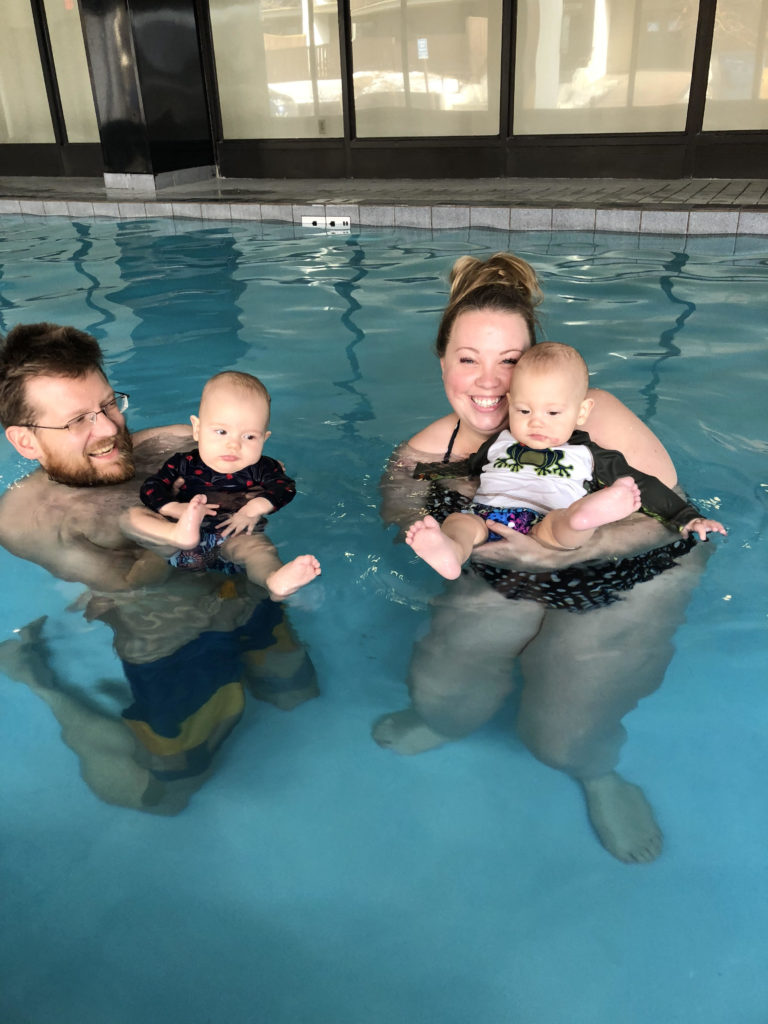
(612, 425)
(403, 498)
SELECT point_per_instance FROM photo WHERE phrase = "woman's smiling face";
(479, 360)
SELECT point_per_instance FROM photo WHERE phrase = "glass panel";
(66, 36)
(24, 112)
(426, 67)
(737, 95)
(278, 68)
(603, 66)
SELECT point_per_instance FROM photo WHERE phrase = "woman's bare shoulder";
(436, 437)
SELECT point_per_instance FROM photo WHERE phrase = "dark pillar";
(147, 79)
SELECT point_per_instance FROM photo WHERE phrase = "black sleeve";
(157, 490)
(272, 482)
(658, 501)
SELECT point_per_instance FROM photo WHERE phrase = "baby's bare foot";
(186, 533)
(607, 505)
(430, 543)
(292, 576)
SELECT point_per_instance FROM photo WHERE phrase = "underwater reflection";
(190, 651)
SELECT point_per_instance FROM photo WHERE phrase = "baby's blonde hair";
(551, 355)
(238, 379)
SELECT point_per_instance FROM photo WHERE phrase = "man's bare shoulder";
(75, 531)
(151, 446)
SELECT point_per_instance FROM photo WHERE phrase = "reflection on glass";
(278, 68)
(426, 68)
(603, 65)
(738, 75)
(24, 112)
(66, 36)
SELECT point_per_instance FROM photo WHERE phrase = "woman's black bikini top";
(449, 449)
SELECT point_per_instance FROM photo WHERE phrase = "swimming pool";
(314, 877)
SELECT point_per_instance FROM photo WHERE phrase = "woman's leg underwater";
(461, 671)
(583, 673)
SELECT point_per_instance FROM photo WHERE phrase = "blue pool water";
(314, 878)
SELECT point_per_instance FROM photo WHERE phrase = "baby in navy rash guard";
(205, 508)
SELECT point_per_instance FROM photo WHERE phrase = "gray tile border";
(450, 217)
(55, 208)
(663, 222)
(569, 219)
(677, 207)
(160, 210)
(713, 222)
(618, 220)
(106, 210)
(132, 211)
(530, 219)
(187, 210)
(413, 217)
(753, 223)
(377, 216)
(489, 217)
(277, 211)
(245, 211)
(80, 209)
(215, 211)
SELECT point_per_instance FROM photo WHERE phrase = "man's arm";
(29, 530)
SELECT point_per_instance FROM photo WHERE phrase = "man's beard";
(89, 474)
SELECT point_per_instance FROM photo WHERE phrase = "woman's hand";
(701, 527)
(624, 539)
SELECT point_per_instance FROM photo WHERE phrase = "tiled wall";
(638, 221)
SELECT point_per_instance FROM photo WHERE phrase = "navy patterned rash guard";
(185, 475)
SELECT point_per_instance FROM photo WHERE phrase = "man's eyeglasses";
(82, 424)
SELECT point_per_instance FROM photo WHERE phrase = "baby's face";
(546, 406)
(231, 428)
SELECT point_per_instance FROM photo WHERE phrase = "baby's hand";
(701, 527)
(239, 522)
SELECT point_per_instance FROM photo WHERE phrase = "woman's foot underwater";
(622, 818)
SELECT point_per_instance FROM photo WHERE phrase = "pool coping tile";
(245, 211)
(664, 222)
(377, 216)
(191, 210)
(489, 217)
(450, 217)
(413, 216)
(713, 222)
(532, 218)
(752, 222)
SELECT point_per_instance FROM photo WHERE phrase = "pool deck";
(700, 206)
